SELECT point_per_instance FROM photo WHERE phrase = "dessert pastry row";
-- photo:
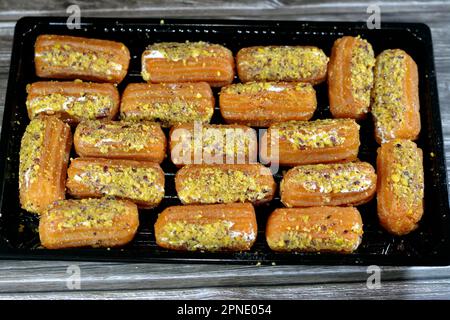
(288, 143)
(277, 83)
(68, 57)
(42, 181)
(256, 103)
(120, 159)
(222, 227)
(357, 83)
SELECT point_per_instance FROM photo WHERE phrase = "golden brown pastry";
(168, 103)
(44, 154)
(73, 101)
(335, 184)
(395, 97)
(88, 222)
(213, 144)
(308, 142)
(263, 103)
(224, 183)
(400, 186)
(282, 63)
(67, 57)
(120, 140)
(188, 62)
(138, 181)
(219, 227)
(350, 77)
(315, 229)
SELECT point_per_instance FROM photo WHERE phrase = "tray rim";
(117, 255)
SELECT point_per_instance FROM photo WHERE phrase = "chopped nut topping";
(66, 56)
(89, 213)
(177, 51)
(222, 186)
(124, 182)
(131, 136)
(406, 180)
(362, 65)
(31, 152)
(215, 140)
(83, 106)
(334, 178)
(303, 241)
(257, 87)
(314, 134)
(205, 236)
(388, 106)
(284, 62)
(177, 111)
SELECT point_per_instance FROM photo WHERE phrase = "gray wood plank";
(37, 276)
(12, 10)
(431, 289)
(47, 279)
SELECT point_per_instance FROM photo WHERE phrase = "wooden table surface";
(49, 279)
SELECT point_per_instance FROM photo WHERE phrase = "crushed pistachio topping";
(313, 134)
(214, 185)
(30, 152)
(406, 179)
(177, 111)
(234, 141)
(145, 74)
(257, 87)
(294, 240)
(88, 213)
(387, 105)
(177, 51)
(107, 136)
(362, 64)
(284, 62)
(84, 106)
(216, 141)
(334, 178)
(124, 182)
(205, 236)
(67, 56)
(299, 234)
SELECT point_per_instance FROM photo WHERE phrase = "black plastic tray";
(428, 245)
